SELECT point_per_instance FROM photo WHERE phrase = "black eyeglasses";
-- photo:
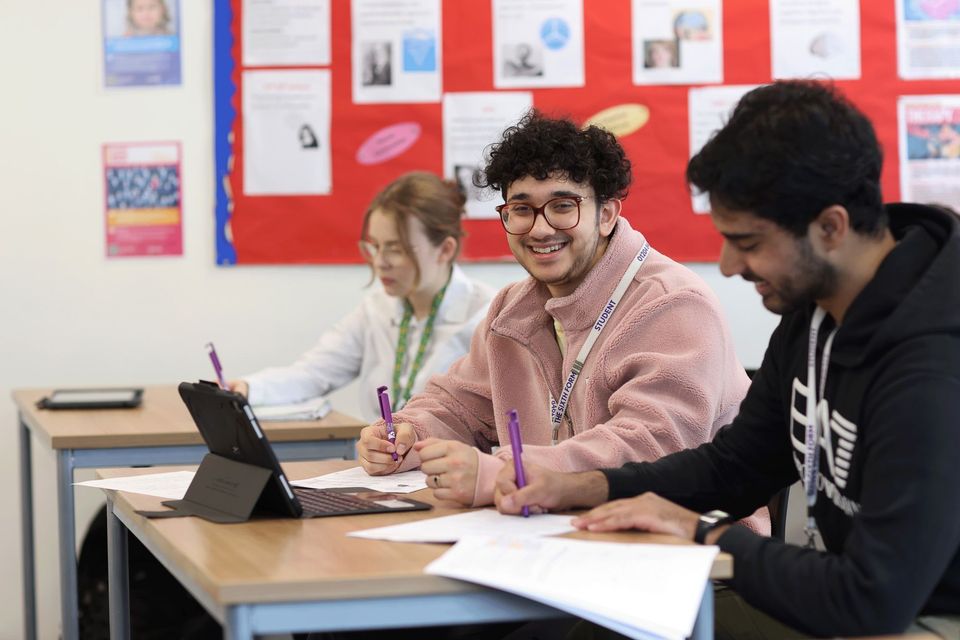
(560, 213)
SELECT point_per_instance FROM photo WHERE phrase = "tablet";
(92, 398)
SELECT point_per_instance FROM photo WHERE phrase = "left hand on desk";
(451, 468)
(647, 512)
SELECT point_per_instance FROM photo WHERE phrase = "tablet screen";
(93, 396)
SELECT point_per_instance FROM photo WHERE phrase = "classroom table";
(159, 431)
(295, 575)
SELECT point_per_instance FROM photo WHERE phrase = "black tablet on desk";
(117, 398)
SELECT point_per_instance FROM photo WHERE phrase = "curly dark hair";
(539, 147)
(790, 150)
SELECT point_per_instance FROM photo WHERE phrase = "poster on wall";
(471, 122)
(538, 44)
(286, 32)
(141, 43)
(143, 199)
(929, 128)
(396, 51)
(928, 39)
(815, 37)
(677, 41)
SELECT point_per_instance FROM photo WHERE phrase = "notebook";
(231, 431)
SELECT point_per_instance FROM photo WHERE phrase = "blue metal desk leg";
(118, 576)
(69, 623)
(26, 534)
(237, 625)
(703, 627)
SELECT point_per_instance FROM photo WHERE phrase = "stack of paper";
(313, 409)
(469, 523)
(171, 484)
(638, 590)
(406, 482)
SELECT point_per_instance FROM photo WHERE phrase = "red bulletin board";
(324, 229)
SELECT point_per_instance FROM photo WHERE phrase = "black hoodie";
(888, 503)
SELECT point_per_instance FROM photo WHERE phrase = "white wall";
(70, 317)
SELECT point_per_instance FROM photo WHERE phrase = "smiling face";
(786, 269)
(561, 259)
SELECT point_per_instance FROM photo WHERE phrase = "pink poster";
(143, 211)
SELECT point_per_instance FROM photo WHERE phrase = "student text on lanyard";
(811, 456)
(401, 394)
(559, 408)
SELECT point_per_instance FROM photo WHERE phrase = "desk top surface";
(161, 420)
(280, 560)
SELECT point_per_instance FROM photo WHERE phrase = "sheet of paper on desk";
(172, 485)
(313, 409)
(469, 523)
(406, 482)
(640, 590)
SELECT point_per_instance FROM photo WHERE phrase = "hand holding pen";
(513, 427)
(387, 416)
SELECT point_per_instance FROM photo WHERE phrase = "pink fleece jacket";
(662, 377)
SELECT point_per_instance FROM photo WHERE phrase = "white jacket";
(363, 344)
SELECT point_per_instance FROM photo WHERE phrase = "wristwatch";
(708, 522)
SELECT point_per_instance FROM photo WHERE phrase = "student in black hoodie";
(794, 183)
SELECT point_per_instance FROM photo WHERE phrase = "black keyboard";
(317, 502)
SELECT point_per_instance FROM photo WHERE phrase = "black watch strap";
(708, 522)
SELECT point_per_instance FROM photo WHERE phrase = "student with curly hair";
(610, 351)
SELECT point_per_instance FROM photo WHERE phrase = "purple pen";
(216, 365)
(513, 427)
(387, 417)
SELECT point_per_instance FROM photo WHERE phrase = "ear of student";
(609, 212)
(448, 249)
(831, 225)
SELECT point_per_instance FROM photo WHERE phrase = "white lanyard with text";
(811, 457)
(558, 409)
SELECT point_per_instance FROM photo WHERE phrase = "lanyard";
(400, 394)
(811, 456)
(559, 408)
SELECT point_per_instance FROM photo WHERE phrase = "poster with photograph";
(143, 204)
(286, 33)
(815, 37)
(286, 132)
(141, 43)
(929, 131)
(396, 51)
(677, 41)
(928, 39)
(708, 109)
(538, 43)
(471, 122)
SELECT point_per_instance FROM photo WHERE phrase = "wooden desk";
(287, 575)
(160, 431)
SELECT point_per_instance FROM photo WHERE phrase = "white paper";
(406, 482)
(312, 409)
(928, 39)
(286, 32)
(286, 132)
(538, 43)
(677, 41)
(470, 523)
(639, 589)
(396, 49)
(471, 122)
(709, 109)
(171, 485)
(929, 131)
(815, 37)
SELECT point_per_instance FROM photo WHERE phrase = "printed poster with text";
(141, 43)
(928, 39)
(677, 41)
(929, 128)
(143, 205)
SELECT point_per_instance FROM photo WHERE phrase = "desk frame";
(245, 621)
(68, 461)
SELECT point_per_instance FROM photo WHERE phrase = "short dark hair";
(790, 150)
(539, 146)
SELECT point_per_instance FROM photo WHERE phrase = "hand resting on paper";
(646, 512)
(376, 452)
(451, 469)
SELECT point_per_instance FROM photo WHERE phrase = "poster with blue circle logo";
(538, 44)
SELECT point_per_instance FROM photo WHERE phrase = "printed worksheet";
(538, 43)
(286, 32)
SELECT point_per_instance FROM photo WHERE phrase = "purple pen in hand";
(216, 365)
(513, 427)
(387, 417)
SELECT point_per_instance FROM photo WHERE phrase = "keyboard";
(320, 502)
